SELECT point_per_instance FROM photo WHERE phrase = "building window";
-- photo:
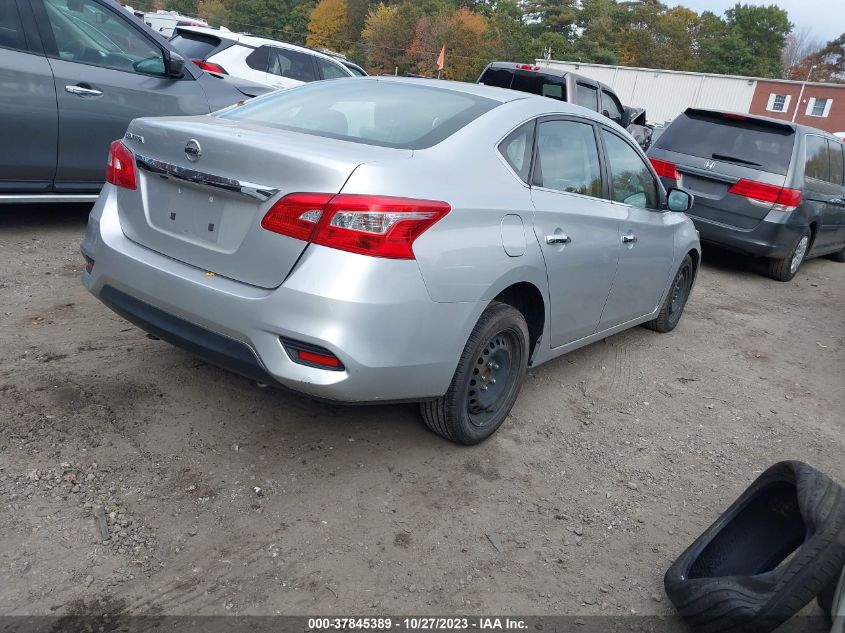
(818, 107)
(778, 103)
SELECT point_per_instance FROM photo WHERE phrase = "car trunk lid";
(204, 185)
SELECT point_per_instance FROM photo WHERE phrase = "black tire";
(782, 269)
(487, 380)
(737, 575)
(838, 256)
(676, 299)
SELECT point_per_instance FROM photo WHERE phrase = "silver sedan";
(384, 239)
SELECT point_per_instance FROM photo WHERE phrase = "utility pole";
(801, 94)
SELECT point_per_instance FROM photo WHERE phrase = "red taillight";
(380, 226)
(209, 66)
(665, 169)
(784, 199)
(120, 169)
(526, 67)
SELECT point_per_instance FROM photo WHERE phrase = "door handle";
(558, 238)
(629, 239)
(82, 91)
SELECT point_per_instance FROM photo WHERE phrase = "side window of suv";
(517, 149)
(817, 161)
(837, 162)
(89, 33)
(632, 182)
(259, 59)
(330, 70)
(291, 64)
(11, 29)
(568, 158)
(610, 107)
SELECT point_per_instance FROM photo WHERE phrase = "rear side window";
(259, 59)
(291, 64)
(817, 164)
(383, 113)
(567, 158)
(837, 162)
(587, 96)
(517, 148)
(11, 30)
(632, 180)
(330, 70)
(740, 140)
(194, 45)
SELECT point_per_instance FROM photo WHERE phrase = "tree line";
(407, 35)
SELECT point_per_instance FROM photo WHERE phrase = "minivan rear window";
(384, 113)
(194, 45)
(740, 140)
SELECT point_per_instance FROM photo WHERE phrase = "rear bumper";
(374, 314)
(770, 238)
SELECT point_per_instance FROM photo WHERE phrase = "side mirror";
(175, 65)
(679, 200)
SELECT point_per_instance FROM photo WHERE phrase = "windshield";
(384, 113)
(741, 141)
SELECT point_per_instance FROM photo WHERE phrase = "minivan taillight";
(665, 169)
(379, 226)
(781, 198)
(120, 169)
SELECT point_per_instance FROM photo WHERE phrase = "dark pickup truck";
(569, 87)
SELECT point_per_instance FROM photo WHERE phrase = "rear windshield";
(744, 142)
(194, 45)
(383, 113)
(533, 82)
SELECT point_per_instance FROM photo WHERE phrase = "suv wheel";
(487, 380)
(784, 269)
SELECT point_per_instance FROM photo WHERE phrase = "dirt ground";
(224, 498)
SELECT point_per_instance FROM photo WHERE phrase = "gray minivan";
(73, 74)
(762, 186)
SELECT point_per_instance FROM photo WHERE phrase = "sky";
(824, 18)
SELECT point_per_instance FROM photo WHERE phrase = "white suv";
(257, 59)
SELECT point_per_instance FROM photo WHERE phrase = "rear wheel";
(487, 380)
(784, 269)
(673, 306)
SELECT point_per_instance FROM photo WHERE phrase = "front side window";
(89, 33)
(568, 158)
(11, 30)
(330, 70)
(291, 64)
(817, 165)
(610, 107)
(383, 113)
(517, 148)
(586, 96)
(631, 178)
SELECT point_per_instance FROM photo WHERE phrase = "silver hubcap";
(798, 255)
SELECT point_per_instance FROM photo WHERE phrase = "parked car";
(257, 59)
(165, 22)
(74, 73)
(386, 239)
(764, 187)
(572, 88)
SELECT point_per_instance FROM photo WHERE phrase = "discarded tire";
(736, 576)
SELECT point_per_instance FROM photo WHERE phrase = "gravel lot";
(225, 498)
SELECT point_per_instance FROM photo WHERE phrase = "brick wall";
(833, 122)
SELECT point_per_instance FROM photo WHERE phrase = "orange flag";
(441, 59)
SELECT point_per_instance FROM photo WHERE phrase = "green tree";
(185, 7)
(388, 31)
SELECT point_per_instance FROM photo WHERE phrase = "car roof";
(253, 40)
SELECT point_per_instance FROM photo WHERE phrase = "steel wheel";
(679, 293)
(493, 378)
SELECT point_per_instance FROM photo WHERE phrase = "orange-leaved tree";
(328, 26)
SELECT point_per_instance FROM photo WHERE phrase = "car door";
(288, 68)
(820, 192)
(107, 72)
(28, 113)
(646, 233)
(577, 229)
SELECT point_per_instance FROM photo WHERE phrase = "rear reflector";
(782, 198)
(89, 264)
(379, 226)
(311, 355)
(209, 66)
(120, 169)
(665, 169)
